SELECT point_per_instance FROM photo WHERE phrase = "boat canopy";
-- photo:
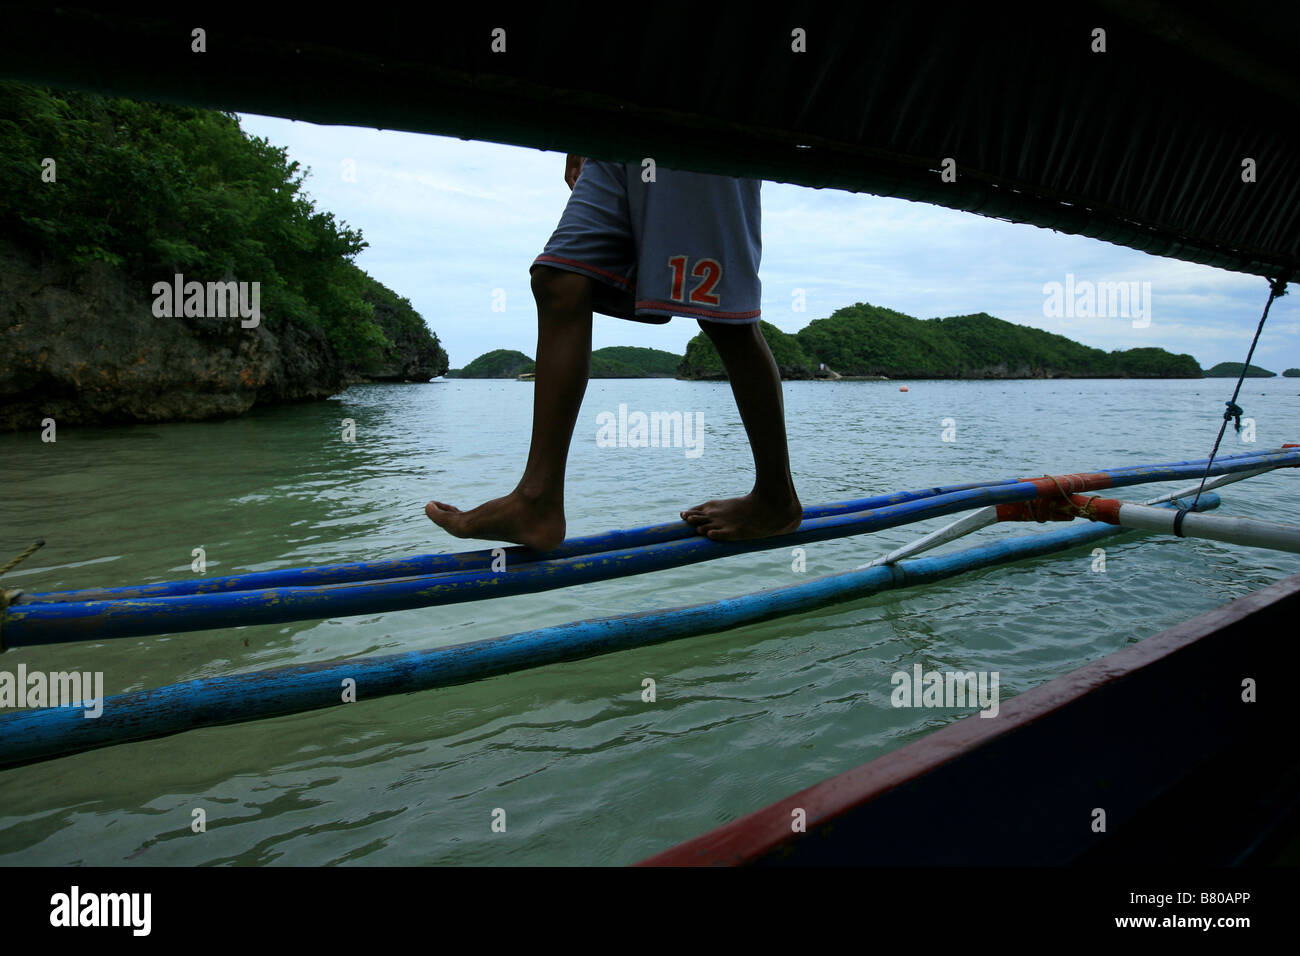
(1171, 131)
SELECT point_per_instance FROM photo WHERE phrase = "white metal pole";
(984, 517)
(1209, 485)
(949, 532)
(1247, 531)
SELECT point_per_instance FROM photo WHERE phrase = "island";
(123, 250)
(616, 361)
(868, 341)
(1233, 370)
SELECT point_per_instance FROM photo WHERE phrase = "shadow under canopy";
(1142, 144)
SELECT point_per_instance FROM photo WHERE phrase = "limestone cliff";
(80, 344)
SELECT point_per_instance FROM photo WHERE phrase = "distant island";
(499, 363)
(616, 361)
(867, 341)
(626, 361)
(1233, 369)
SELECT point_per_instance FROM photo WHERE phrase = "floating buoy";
(902, 388)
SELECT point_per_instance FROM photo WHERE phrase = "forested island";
(616, 361)
(499, 363)
(1233, 370)
(864, 341)
(870, 342)
(105, 201)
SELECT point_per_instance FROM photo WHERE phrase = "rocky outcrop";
(499, 363)
(81, 345)
(413, 357)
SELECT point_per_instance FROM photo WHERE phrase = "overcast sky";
(449, 222)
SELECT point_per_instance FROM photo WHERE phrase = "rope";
(7, 597)
(31, 549)
(1087, 511)
(1233, 413)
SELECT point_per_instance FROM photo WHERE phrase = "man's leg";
(772, 507)
(533, 514)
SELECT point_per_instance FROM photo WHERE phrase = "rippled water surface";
(585, 771)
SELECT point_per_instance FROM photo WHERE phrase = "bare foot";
(513, 518)
(737, 519)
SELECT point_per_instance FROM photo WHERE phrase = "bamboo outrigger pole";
(32, 735)
(32, 620)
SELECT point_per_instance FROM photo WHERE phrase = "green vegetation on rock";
(867, 340)
(630, 361)
(1153, 363)
(617, 361)
(141, 192)
(1233, 369)
(703, 362)
(604, 367)
(499, 363)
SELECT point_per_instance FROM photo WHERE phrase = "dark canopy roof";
(1141, 145)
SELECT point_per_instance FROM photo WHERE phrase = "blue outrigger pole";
(429, 580)
(40, 734)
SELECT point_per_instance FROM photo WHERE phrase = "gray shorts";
(686, 244)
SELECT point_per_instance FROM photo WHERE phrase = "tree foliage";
(702, 359)
(154, 190)
(630, 361)
(616, 361)
(1233, 369)
(499, 363)
(868, 340)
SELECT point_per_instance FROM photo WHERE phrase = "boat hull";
(1145, 736)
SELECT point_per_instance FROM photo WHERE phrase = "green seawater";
(584, 770)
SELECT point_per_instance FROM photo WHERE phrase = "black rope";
(1233, 413)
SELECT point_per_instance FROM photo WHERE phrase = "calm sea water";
(584, 770)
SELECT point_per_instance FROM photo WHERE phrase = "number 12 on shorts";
(706, 269)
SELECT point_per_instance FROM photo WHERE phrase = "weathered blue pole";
(46, 623)
(28, 736)
(425, 564)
